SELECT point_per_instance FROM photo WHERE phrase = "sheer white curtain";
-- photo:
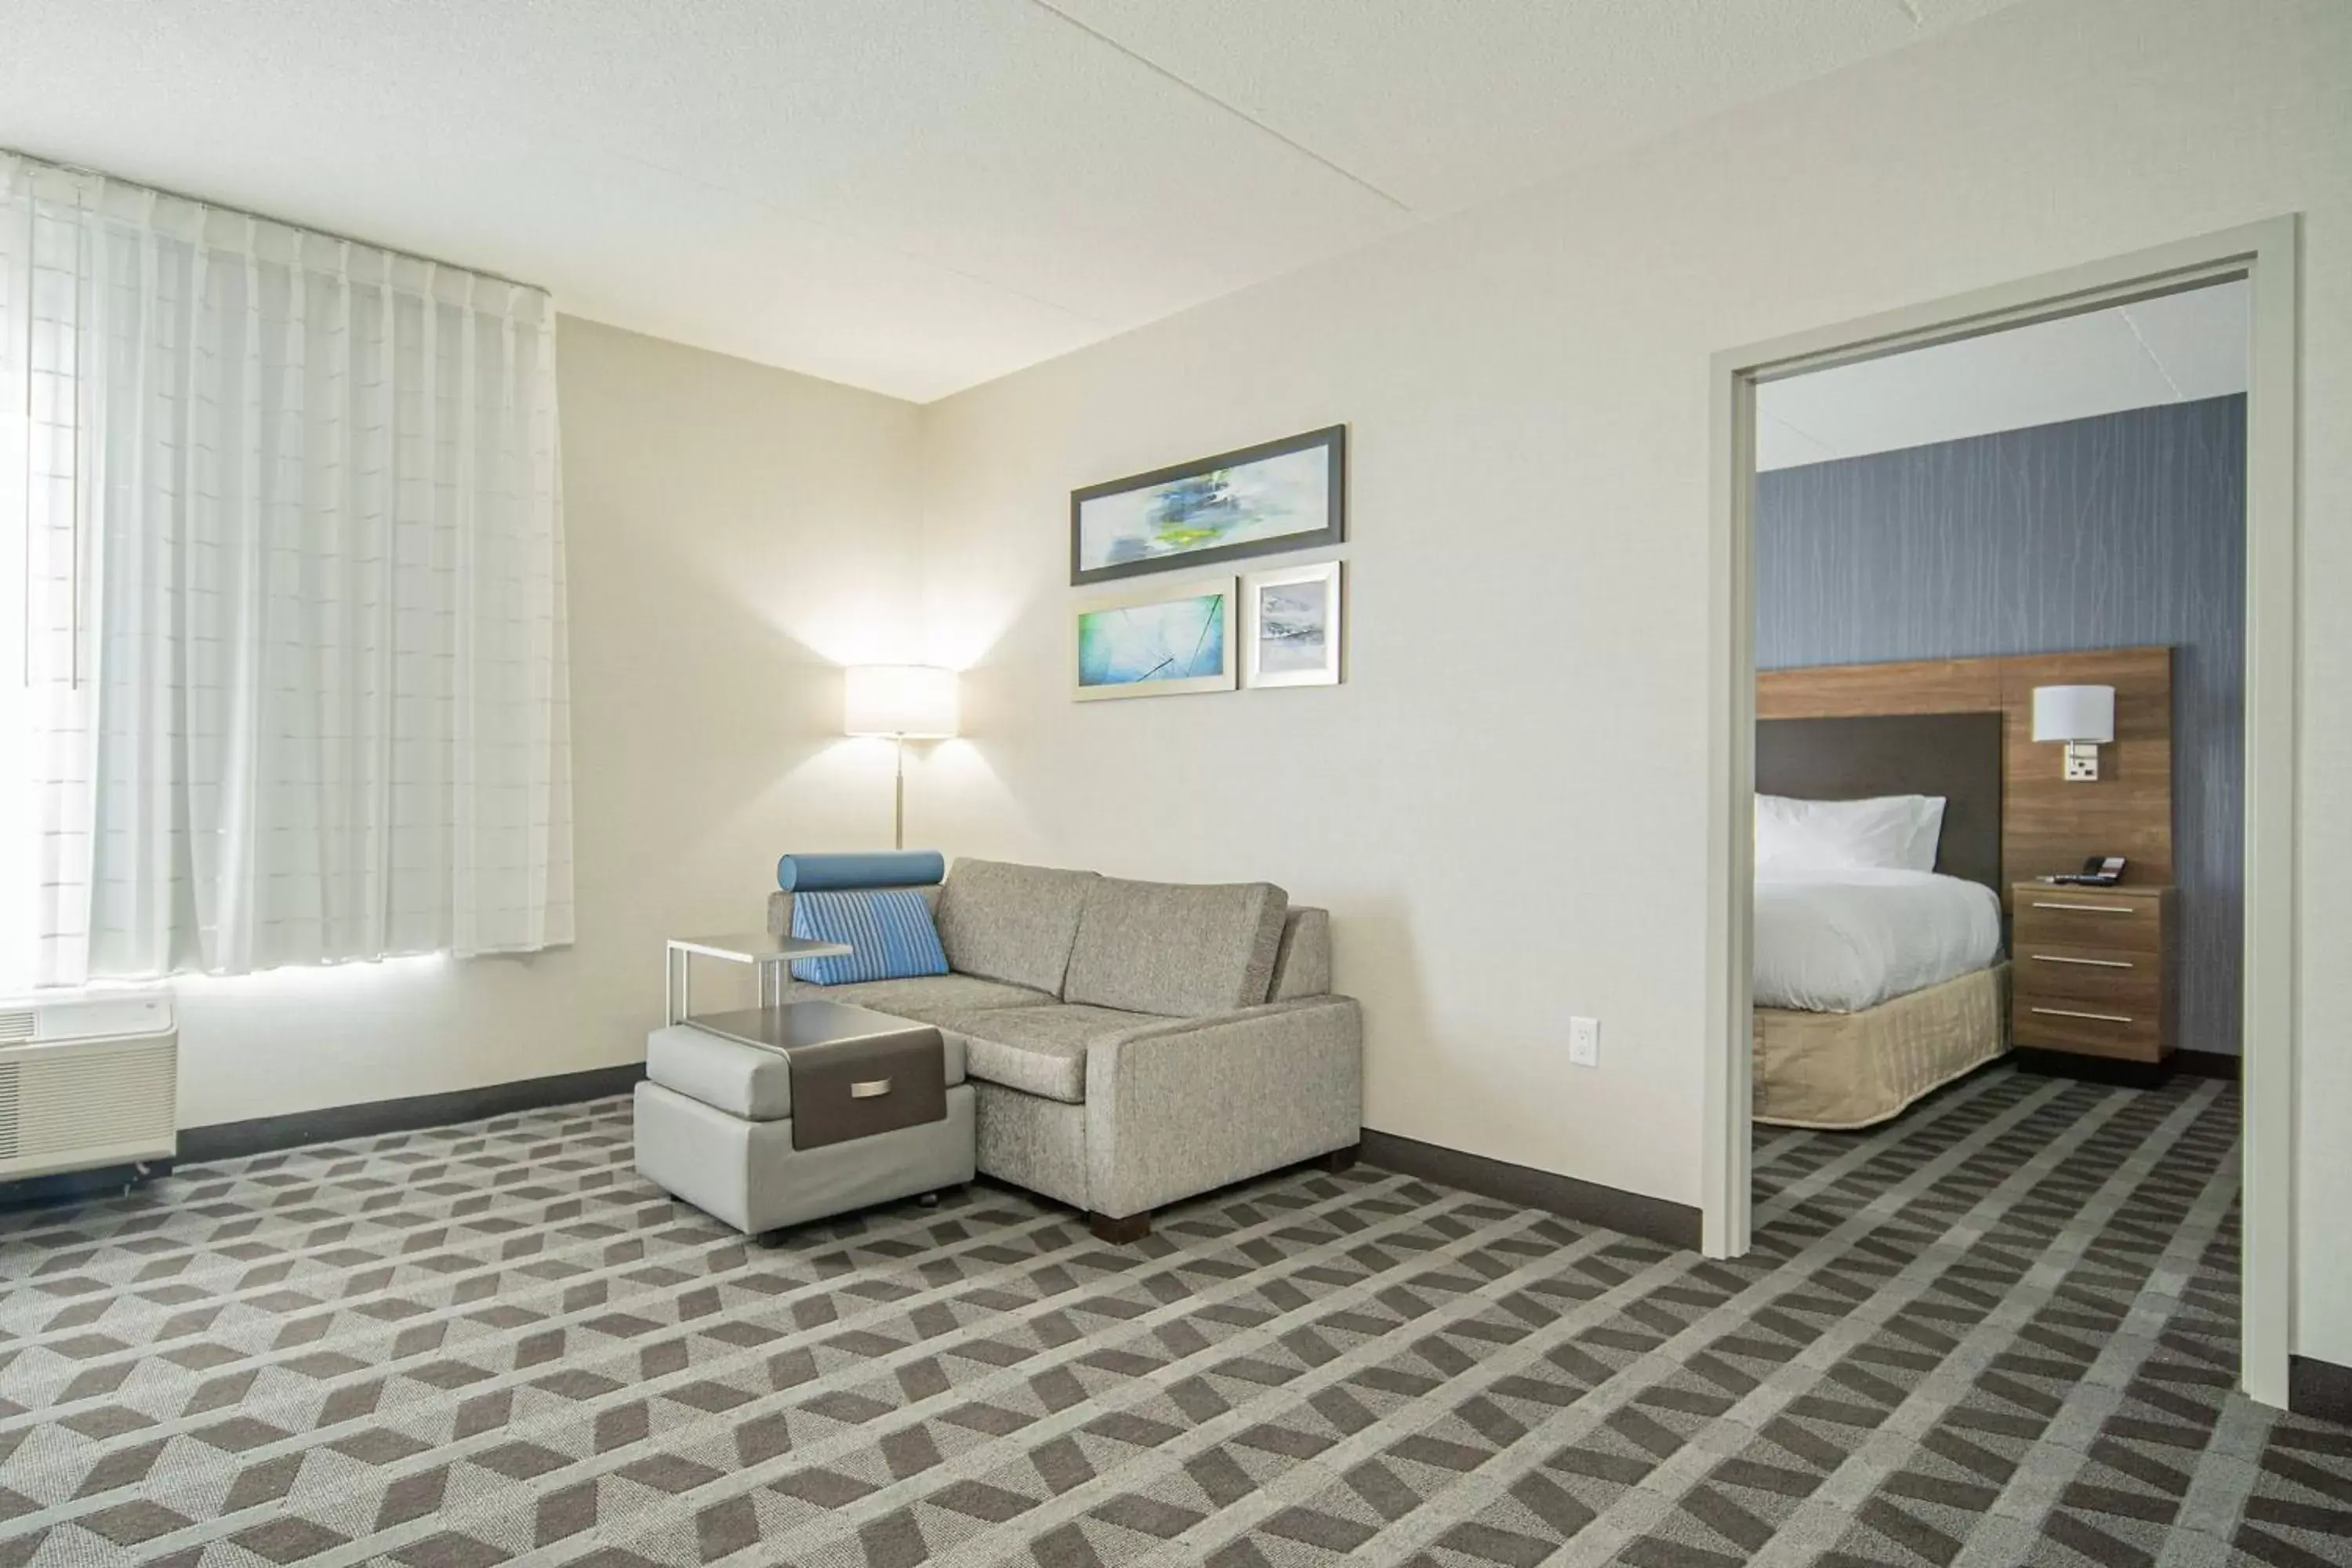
(290, 541)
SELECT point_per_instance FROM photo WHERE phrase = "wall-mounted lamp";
(901, 702)
(2083, 717)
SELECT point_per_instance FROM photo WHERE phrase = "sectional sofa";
(1133, 1043)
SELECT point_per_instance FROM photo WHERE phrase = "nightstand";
(2091, 978)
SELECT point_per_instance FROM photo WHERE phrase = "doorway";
(2263, 258)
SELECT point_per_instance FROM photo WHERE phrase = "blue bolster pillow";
(877, 868)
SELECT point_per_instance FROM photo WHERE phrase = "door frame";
(2267, 255)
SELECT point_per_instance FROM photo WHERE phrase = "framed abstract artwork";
(1291, 626)
(1290, 494)
(1164, 643)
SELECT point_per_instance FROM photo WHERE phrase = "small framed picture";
(1291, 626)
(1160, 643)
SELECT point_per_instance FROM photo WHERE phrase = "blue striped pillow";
(892, 933)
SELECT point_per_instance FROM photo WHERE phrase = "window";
(287, 550)
(18, 841)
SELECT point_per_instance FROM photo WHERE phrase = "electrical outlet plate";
(1584, 1042)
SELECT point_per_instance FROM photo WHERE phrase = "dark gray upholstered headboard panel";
(1956, 755)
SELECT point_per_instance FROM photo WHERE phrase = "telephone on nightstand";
(2098, 872)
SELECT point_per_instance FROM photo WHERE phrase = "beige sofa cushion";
(1179, 951)
(1039, 1050)
(1012, 923)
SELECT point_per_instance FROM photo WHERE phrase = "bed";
(1876, 984)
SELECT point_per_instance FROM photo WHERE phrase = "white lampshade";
(2080, 713)
(912, 702)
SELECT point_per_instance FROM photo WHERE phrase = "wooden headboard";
(2047, 824)
(1956, 755)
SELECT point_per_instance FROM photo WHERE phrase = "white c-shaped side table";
(766, 953)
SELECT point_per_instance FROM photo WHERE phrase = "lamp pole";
(899, 703)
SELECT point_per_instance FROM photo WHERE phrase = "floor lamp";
(899, 702)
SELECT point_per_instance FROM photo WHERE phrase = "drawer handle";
(2069, 1012)
(2090, 909)
(2094, 962)
(869, 1089)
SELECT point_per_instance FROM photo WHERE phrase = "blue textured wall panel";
(2123, 530)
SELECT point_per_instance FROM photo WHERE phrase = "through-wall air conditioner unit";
(87, 1083)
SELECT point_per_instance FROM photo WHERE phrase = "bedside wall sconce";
(2083, 717)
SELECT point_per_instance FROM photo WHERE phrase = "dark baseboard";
(2205, 1064)
(73, 1186)
(1675, 1224)
(2128, 1075)
(267, 1134)
(2319, 1389)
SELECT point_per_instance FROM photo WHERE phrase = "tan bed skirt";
(1837, 1071)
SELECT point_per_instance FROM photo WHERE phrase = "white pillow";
(1891, 832)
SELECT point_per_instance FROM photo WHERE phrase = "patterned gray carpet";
(1999, 1332)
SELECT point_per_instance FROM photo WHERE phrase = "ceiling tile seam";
(1148, 63)
(2153, 357)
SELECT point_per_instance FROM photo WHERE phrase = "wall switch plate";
(1584, 1042)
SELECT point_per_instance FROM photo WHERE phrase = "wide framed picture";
(1291, 626)
(1290, 494)
(1161, 642)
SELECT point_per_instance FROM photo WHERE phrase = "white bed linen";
(1843, 940)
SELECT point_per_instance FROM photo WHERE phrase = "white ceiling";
(2174, 349)
(912, 195)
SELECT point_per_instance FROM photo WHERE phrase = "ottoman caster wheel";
(929, 1200)
(769, 1240)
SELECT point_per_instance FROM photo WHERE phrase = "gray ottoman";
(776, 1116)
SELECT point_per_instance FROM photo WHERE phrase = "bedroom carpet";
(1997, 1332)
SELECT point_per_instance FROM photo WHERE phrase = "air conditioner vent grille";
(86, 1102)
(17, 1023)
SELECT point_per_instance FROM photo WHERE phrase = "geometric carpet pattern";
(1998, 1330)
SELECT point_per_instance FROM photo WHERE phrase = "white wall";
(735, 535)
(1506, 807)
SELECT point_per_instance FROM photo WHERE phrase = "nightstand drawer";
(2085, 1028)
(2101, 979)
(2091, 970)
(2088, 919)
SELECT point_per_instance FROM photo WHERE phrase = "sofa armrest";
(1177, 1108)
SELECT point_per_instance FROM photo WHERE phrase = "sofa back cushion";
(1302, 966)
(1013, 923)
(1177, 951)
